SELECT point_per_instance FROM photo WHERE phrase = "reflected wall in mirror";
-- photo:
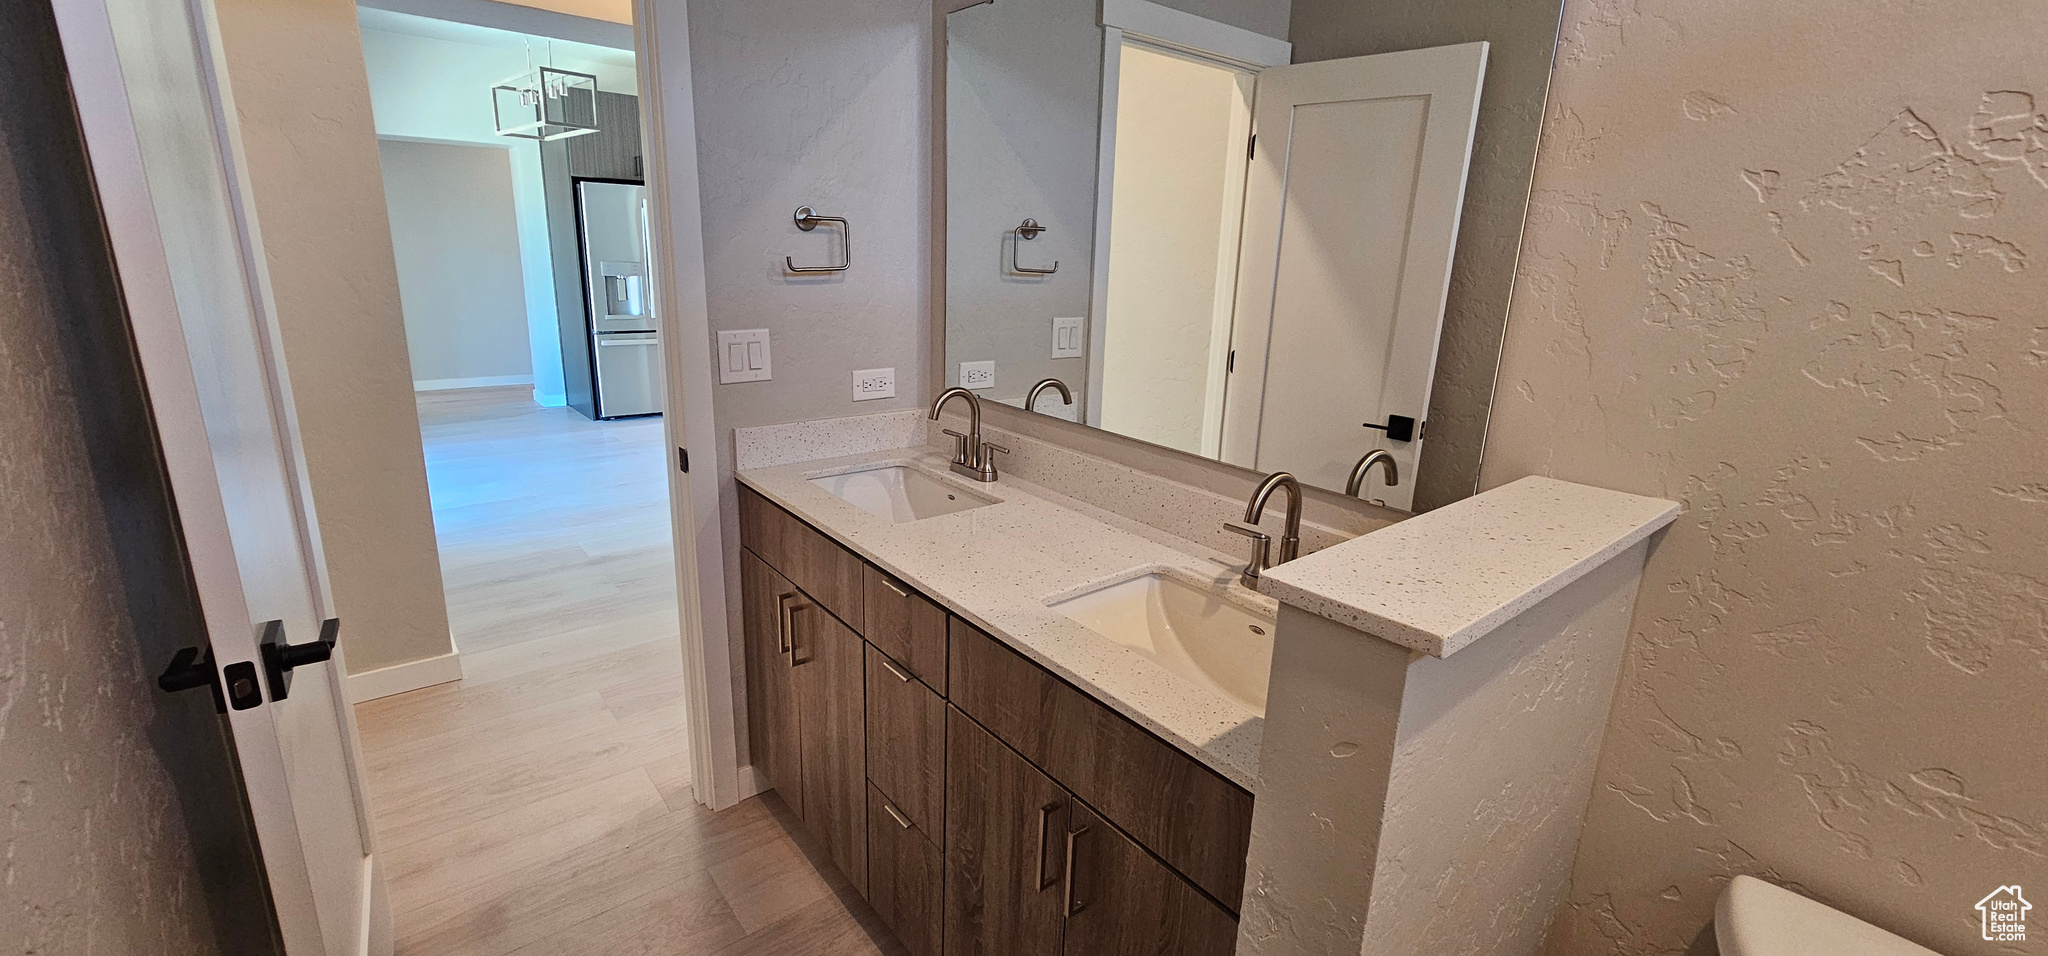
(1226, 249)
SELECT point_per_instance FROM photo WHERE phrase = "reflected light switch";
(1066, 338)
(744, 356)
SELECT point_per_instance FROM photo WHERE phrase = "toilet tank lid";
(1755, 918)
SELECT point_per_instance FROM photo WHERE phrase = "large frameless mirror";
(1281, 256)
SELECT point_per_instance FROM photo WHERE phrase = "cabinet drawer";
(830, 574)
(906, 626)
(906, 742)
(1193, 818)
(905, 878)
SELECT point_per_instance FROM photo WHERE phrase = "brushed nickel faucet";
(1031, 399)
(1379, 456)
(971, 456)
(1290, 535)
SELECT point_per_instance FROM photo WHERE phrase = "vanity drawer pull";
(893, 586)
(896, 815)
(900, 673)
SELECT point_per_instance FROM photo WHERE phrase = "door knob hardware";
(279, 657)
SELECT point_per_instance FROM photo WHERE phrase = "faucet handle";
(960, 455)
(1262, 553)
(988, 459)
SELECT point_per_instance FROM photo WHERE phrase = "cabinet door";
(906, 742)
(1121, 901)
(1004, 823)
(829, 688)
(772, 730)
(904, 877)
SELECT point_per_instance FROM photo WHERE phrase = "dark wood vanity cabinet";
(1006, 825)
(984, 806)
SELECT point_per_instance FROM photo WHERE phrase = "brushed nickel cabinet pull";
(900, 673)
(895, 814)
(1045, 823)
(784, 620)
(893, 586)
(1073, 903)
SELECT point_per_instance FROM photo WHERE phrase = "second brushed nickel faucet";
(1379, 456)
(1031, 397)
(1290, 535)
(972, 456)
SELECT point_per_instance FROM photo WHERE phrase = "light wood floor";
(542, 805)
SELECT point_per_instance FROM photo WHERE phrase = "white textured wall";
(1781, 266)
(319, 198)
(457, 248)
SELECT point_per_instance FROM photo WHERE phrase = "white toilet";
(1755, 918)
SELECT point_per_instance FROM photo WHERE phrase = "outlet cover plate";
(1066, 338)
(978, 375)
(873, 383)
(743, 356)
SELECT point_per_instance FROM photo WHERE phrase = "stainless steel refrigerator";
(622, 329)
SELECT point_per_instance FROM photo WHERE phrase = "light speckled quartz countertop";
(1445, 578)
(997, 566)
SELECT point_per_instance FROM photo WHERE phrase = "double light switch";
(743, 356)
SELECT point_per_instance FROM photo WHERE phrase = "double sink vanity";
(1024, 723)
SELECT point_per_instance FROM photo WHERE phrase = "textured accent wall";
(1780, 266)
(303, 101)
(121, 828)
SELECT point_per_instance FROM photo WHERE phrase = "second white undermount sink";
(900, 493)
(1195, 631)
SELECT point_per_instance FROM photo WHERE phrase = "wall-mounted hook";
(1026, 232)
(807, 220)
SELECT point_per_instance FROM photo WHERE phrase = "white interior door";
(153, 104)
(1351, 214)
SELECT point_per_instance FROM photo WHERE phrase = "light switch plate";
(978, 374)
(1066, 338)
(872, 383)
(743, 356)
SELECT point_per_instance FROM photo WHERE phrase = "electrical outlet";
(977, 375)
(743, 356)
(873, 383)
(1066, 338)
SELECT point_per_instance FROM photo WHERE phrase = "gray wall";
(1522, 34)
(1765, 289)
(1023, 113)
(122, 828)
(807, 102)
(457, 247)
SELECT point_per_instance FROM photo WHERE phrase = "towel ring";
(807, 220)
(1026, 232)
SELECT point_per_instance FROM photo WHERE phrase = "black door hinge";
(1230, 363)
(1252, 151)
(683, 460)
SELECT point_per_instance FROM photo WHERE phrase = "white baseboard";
(487, 381)
(399, 678)
(550, 399)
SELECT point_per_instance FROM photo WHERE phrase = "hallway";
(542, 805)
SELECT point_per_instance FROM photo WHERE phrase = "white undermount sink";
(899, 493)
(1220, 642)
